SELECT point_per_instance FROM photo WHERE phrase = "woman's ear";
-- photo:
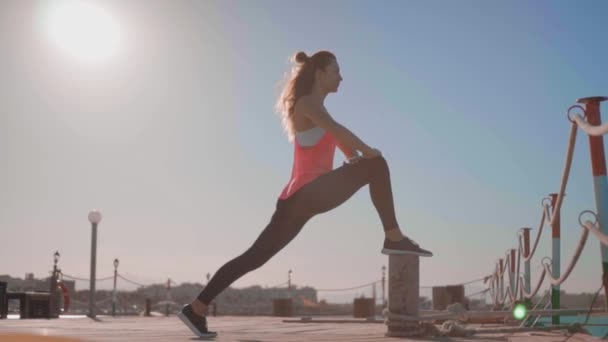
(318, 74)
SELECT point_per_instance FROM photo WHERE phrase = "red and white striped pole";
(501, 287)
(600, 184)
(555, 255)
(512, 272)
(526, 254)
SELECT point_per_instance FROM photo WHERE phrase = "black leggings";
(324, 193)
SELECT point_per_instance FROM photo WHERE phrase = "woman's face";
(330, 78)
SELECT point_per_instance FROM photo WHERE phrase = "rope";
(546, 212)
(473, 281)
(598, 234)
(109, 278)
(512, 295)
(540, 231)
(347, 289)
(494, 286)
(485, 279)
(505, 266)
(86, 304)
(591, 305)
(518, 275)
(85, 279)
(508, 290)
(276, 286)
(552, 221)
(130, 281)
(577, 254)
(476, 293)
(525, 292)
(565, 175)
(590, 129)
(508, 293)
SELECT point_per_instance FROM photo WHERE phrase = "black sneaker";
(405, 246)
(196, 323)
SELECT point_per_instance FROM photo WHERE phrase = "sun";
(82, 29)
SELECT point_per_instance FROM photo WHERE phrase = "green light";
(520, 311)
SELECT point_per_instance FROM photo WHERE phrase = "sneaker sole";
(400, 252)
(187, 322)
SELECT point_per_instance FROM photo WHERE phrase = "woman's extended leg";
(283, 227)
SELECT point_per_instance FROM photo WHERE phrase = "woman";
(314, 187)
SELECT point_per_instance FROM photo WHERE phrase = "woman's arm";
(348, 152)
(347, 141)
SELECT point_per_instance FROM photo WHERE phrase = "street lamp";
(383, 280)
(114, 293)
(94, 218)
(54, 301)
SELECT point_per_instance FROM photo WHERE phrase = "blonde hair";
(298, 83)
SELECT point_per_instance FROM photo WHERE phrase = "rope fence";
(515, 288)
(281, 285)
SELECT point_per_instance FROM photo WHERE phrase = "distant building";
(30, 283)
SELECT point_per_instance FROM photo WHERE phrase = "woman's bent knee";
(379, 164)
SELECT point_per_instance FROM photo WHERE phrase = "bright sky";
(172, 134)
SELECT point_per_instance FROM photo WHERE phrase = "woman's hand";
(354, 159)
(369, 153)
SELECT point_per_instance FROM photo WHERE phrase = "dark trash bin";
(3, 300)
(282, 307)
(364, 308)
(38, 304)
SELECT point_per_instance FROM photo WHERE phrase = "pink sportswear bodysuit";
(313, 156)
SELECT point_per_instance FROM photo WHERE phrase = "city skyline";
(173, 137)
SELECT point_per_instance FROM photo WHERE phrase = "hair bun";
(301, 57)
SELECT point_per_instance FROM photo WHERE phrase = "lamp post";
(94, 218)
(289, 283)
(114, 292)
(54, 301)
(55, 259)
(167, 306)
(383, 283)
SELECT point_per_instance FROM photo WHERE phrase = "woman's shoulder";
(301, 112)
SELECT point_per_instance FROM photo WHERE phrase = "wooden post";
(148, 307)
(440, 298)
(3, 300)
(403, 294)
